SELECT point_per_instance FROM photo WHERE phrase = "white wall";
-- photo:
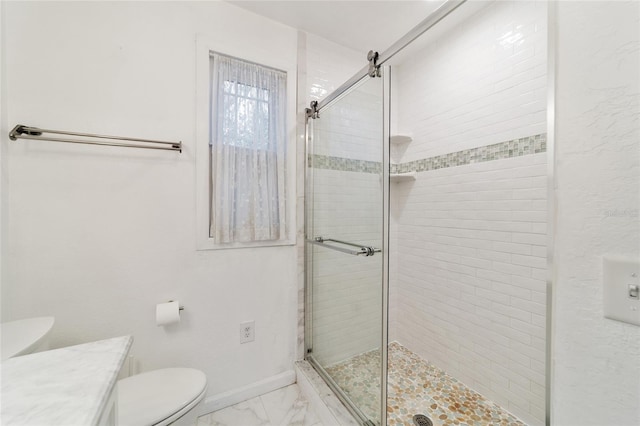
(96, 235)
(596, 378)
(468, 292)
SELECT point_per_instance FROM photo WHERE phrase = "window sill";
(210, 244)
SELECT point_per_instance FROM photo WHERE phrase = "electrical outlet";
(247, 331)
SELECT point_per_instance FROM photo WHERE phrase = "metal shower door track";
(436, 16)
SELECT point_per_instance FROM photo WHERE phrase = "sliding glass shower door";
(345, 229)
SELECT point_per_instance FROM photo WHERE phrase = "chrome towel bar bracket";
(26, 132)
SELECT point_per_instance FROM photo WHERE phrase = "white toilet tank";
(24, 336)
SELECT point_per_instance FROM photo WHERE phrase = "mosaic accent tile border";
(508, 149)
(497, 151)
(344, 164)
(416, 387)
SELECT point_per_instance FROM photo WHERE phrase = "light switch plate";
(621, 276)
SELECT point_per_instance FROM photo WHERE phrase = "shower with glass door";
(426, 234)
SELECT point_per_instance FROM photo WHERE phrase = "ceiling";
(361, 25)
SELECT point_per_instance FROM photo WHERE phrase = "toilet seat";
(159, 397)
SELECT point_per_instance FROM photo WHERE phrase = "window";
(247, 140)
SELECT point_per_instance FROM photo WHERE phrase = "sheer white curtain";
(248, 148)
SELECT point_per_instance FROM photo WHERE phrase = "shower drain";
(422, 420)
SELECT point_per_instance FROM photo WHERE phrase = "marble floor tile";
(282, 407)
(247, 413)
(287, 406)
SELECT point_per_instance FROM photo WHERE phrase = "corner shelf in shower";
(398, 139)
(402, 177)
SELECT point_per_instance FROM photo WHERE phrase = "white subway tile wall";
(322, 66)
(470, 284)
(469, 265)
(355, 131)
(480, 83)
(347, 199)
(329, 65)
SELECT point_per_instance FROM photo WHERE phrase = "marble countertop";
(67, 386)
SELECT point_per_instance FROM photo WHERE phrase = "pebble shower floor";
(416, 387)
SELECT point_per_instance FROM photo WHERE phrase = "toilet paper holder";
(180, 308)
(168, 313)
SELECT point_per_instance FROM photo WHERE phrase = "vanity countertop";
(66, 386)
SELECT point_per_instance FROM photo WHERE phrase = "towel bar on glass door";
(364, 250)
(34, 133)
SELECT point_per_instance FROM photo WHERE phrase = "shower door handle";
(362, 250)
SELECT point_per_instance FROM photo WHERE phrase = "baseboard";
(234, 396)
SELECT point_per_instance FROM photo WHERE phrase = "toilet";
(160, 397)
(155, 398)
